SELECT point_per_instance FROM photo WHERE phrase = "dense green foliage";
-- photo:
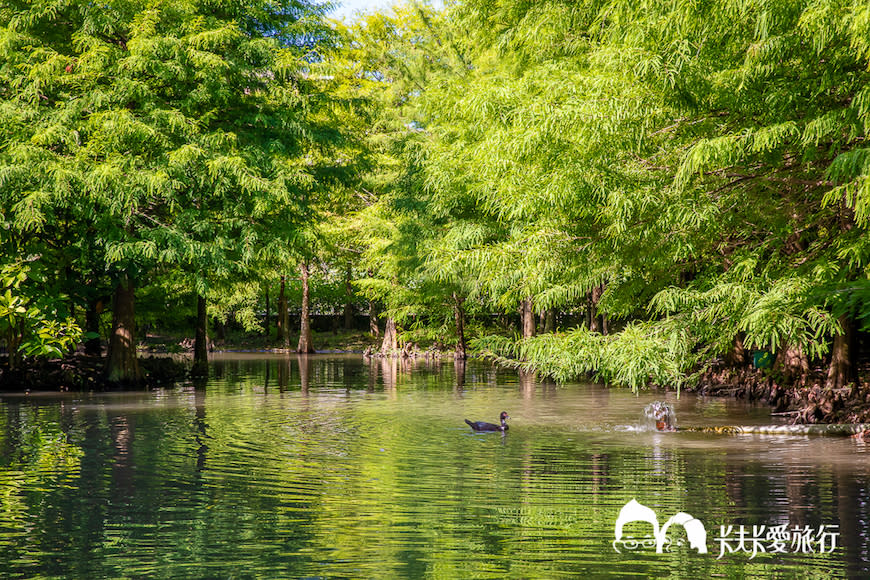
(144, 143)
(667, 182)
(695, 174)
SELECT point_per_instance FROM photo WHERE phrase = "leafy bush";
(32, 324)
(643, 353)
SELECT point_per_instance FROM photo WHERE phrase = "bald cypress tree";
(168, 134)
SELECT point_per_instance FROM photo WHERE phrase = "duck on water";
(484, 426)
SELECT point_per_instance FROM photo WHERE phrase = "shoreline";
(806, 403)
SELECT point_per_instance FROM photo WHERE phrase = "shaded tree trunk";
(14, 335)
(391, 339)
(736, 357)
(200, 341)
(528, 318)
(459, 315)
(597, 322)
(121, 364)
(304, 346)
(92, 324)
(373, 320)
(220, 330)
(841, 372)
(792, 362)
(550, 320)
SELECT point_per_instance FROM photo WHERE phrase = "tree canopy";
(662, 184)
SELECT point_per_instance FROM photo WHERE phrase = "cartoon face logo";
(636, 512)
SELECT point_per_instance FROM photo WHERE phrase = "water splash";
(659, 416)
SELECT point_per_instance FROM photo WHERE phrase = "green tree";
(172, 134)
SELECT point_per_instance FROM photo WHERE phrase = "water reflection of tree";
(528, 382)
(304, 372)
(459, 371)
(307, 486)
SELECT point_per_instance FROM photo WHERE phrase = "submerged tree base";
(806, 401)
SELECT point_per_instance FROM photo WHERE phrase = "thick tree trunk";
(459, 315)
(841, 370)
(122, 365)
(390, 345)
(792, 362)
(304, 346)
(200, 341)
(528, 318)
(92, 324)
(736, 357)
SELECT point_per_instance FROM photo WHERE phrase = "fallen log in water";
(835, 429)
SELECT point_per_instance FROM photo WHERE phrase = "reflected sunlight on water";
(329, 466)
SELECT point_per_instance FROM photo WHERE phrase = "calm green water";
(327, 466)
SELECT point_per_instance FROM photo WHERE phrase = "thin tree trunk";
(459, 315)
(373, 320)
(590, 310)
(121, 364)
(528, 318)
(348, 305)
(14, 335)
(268, 314)
(281, 316)
(279, 319)
(841, 371)
(220, 329)
(596, 321)
(391, 340)
(304, 346)
(200, 342)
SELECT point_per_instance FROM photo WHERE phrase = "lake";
(329, 466)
